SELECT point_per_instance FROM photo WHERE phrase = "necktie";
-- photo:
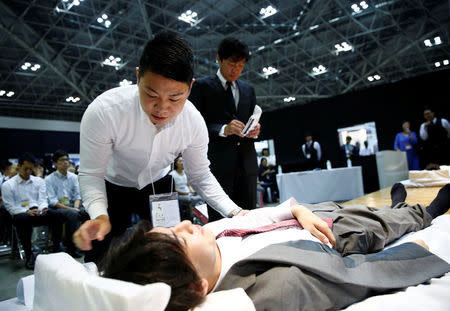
(229, 97)
(282, 224)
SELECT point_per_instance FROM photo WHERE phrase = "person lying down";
(290, 257)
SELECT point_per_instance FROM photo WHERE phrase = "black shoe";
(29, 262)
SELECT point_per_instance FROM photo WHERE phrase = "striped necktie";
(282, 224)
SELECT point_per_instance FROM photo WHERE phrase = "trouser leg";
(122, 202)
(23, 225)
(72, 221)
(367, 229)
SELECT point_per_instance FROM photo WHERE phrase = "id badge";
(164, 209)
(408, 147)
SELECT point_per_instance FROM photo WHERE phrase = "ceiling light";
(10, 94)
(374, 77)
(112, 61)
(358, 8)
(72, 99)
(445, 62)
(107, 24)
(100, 20)
(288, 99)
(2, 92)
(189, 17)
(27, 66)
(269, 11)
(319, 70)
(125, 82)
(104, 16)
(343, 47)
(267, 71)
(437, 64)
(76, 2)
(436, 41)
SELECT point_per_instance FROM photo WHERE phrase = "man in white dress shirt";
(64, 197)
(25, 198)
(435, 133)
(130, 135)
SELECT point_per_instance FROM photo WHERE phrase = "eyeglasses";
(63, 159)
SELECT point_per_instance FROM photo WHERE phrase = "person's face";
(308, 138)
(265, 152)
(199, 244)
(13, 170)
(62, 164)
(7, 171)
(405, 126)
(180, 163)
(25, 169)
(230, 68)
(348, 140)
(264, 162)
(161, 98)
(428, 114)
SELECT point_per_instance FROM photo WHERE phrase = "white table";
(337, 184)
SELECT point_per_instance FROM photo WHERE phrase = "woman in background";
(407, 141)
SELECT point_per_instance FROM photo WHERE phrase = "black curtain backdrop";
(387, 105)
(15, 142)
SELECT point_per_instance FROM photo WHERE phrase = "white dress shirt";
(19, 195)
(234, 90)
(233, 249)
(315, 146)
(119, 143)
(62, 188)
(424, 131)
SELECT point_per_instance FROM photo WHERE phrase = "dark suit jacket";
(208, 95)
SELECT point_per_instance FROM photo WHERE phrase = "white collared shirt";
(234, 249)
(62, 188)
(119, 143)
(234, 90)
(424, 131)
(19, 195)
(315, 146)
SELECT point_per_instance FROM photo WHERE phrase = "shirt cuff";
(96, 209)
(222, 131)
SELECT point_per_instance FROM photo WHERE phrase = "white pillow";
(62, 283)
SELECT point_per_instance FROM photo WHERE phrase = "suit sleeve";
(198, 98)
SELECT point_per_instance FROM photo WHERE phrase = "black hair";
(232, 47)
(169, 56)
(4, 164)
(27, 156)
(145, 257)
(175, 161)
(59, 154)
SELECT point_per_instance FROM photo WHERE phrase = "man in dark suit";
(226, 104)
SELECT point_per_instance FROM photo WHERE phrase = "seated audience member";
(267, 180)
(12, 171)
(64, 198)
(435, 133)
(312, 152)
(72, 167)
(39, 170)
(25, 198)
(187, 196)
(407, 141)
(5, 167)
(196, 260)
(365, 150)
(265, 153)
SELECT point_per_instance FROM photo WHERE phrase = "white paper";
(252, 121)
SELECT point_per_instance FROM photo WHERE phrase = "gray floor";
(11, 271)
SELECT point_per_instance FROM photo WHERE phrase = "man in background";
(226, 103)
(312, 152)
(25, 198)
(435, 133)
(64, 197)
